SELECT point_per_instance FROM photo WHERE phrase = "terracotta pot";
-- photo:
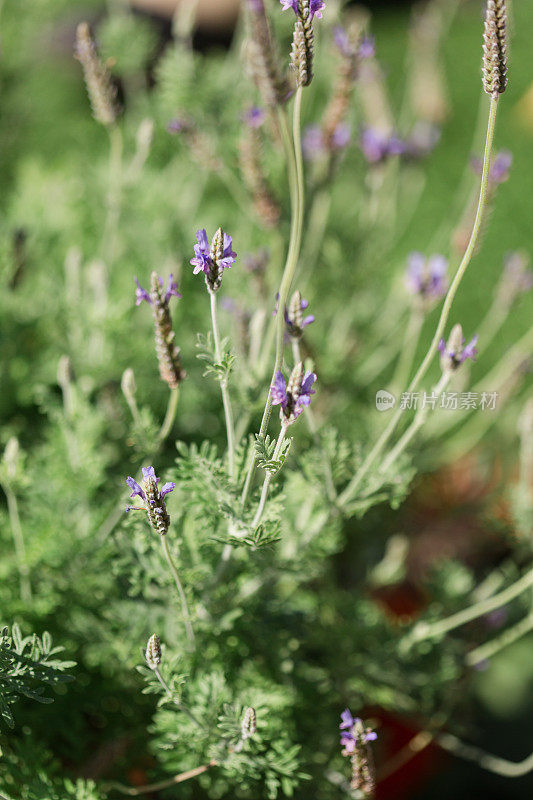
(213, 14)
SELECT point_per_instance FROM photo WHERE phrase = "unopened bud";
(153, 651)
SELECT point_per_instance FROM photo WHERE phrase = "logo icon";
(384, 400)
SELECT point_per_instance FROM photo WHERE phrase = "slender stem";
(413, 428)
(495, 764)
(408, 350)
(228, 413)
(313, 429)
(181, 593)
(156, 787)
(170, 416)
(268, 478)
(176, 702)
(425, 630)
(18, 541)
(113, 195)
(293, 153)
(489, 649)
(354, 484)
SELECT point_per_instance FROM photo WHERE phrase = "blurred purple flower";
(426, 277)
(377, 146)
(172, 291)
(353, 732)
(316, 7)
(254, 117)
(499, 168)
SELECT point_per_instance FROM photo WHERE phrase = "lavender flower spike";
(378, 146)
(355, 739)
(294, 318)
(426, 277)
(168, 355)
(152, 498)
(294, 396)
(212, 260)
(454, 352)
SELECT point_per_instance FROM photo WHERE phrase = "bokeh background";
(44, 131)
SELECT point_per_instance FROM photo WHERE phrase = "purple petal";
(278, 391)
(141, 294)
(172, 290)
(167, 488)
(347, 719)
(149, 472)
(307, 383)
(203, 244)
(371, 736)
(308, 320)
(442, 346)
(136, 489)
(348, 744)
(470, 350)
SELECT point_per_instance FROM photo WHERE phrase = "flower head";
(315, 7)
(212, 260)
(315, 145)
(353, 733)
(454, 352)
(168, 355)
(426, 277)
(364, 48)
(153, 651)
(294, 396)
(254, 117)
(377, 146)
(152, 498)
(294, 318)
(172, 291)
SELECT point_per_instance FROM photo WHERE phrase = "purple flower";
(294, 396)
(202, 260)
(378, 146)
(316, 7)
(294, 318)
(426, 277)
(178, 125)
(172, 291)
(499, 168)
(354, 733)
(212, 260)
(254, 117)
(349, 49)
(454, 352)
(152, 497)
(367, 48)
(314, 142)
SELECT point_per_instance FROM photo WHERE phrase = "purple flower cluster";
(254, 117)
(315, 145)
(141, 294)
(294, 396)
(316, 7)
(377, 146)
(499, 168)
(152, 497)
(426, 277)
(294, 318)
(213, 260)
(366, 48)
(454, 352)
(354, 733)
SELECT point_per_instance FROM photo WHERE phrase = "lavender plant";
(218, 623)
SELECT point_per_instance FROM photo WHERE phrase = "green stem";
(156, 787)
(170, 416)
(413, 428)
(228, 413)
(181, 593)
(268, 478)
(176, 702)
(499, 766)
(18, 541)
(408, 350)
(108, 245)
(489, 649)
(354, 484)
(433, 630)
(293, 153)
